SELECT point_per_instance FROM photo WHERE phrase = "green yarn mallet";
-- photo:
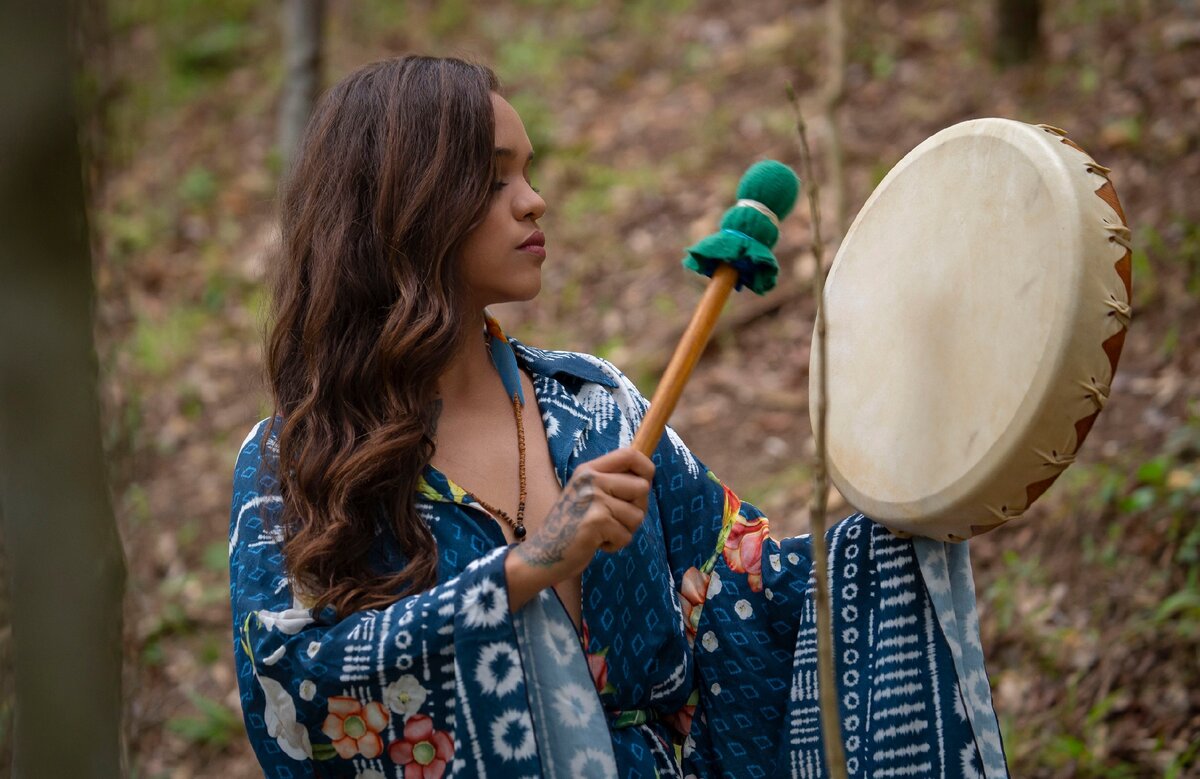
(739, 255)
(749, 230)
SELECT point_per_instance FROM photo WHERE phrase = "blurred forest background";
(644, 114)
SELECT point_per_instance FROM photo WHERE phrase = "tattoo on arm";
(547, 547)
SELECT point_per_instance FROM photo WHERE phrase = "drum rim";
(1031, 409)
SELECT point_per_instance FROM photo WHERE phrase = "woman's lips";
(535, 244)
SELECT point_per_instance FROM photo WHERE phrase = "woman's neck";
(470, 377)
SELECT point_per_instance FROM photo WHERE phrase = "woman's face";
(502, 257)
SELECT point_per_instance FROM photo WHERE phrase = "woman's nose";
(531, 205)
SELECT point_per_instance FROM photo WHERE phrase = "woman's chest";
(510, 473)
(502, 459)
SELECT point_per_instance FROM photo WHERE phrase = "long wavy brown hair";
(393, 170)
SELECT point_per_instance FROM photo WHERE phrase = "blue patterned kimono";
(698, 641)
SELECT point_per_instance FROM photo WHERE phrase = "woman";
(426, 582)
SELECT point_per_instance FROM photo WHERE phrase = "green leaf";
(1183, 601)
(1070, 747)
(153, 653)
(199, 185)
(1100, 711)
(216, 726)
(323, 752)
(1139, 500)
(1154, 471)
(216, 556)
(212, 51)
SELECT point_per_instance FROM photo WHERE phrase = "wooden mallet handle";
(739, 252)
(687, 354)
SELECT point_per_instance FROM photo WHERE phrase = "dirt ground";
(1090, 604)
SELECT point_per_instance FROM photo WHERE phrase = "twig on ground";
(832, 98)
(831, 730)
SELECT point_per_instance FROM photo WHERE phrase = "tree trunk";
(1017, 36)
(302, 22)
(64, 559)
(6, 661)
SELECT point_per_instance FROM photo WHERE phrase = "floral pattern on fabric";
(743, 549)
(405, 696)
(692, 594)
(597, 663)
(354, 728)
(681, 721)
(424, 752)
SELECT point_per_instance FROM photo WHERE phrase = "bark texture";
(65, 567)
(1017, 30)
(302, 32)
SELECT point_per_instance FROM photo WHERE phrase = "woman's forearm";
(525, 580)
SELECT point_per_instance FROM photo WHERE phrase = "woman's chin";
(525, 292)
(515, 294)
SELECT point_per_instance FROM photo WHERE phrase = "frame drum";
(975, 314)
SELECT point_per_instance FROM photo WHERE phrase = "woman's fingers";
(625, 486)
(602, 506)
(628, 515)
(625, 460)
(624, 496)
(616, 537)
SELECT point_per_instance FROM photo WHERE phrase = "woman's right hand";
(601, 507)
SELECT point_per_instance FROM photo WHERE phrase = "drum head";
(957, 310)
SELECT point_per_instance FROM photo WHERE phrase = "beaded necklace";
(518, 524)
(506, 365)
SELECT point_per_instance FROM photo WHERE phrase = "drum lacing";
(1005, 513)
(1098, 392)
(1121, 310)
(1055, 458)
(1119, 233)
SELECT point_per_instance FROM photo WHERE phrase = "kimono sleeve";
(382, 688)
(913, 693)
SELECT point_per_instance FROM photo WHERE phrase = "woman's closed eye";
(499, 185)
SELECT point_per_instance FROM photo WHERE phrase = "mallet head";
(750, 229)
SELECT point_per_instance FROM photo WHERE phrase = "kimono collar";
(504, 359)
(507, 351)
(568, 427)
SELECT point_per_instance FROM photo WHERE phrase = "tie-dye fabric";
(697, 655)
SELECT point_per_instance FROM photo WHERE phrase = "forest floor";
(644, 114)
